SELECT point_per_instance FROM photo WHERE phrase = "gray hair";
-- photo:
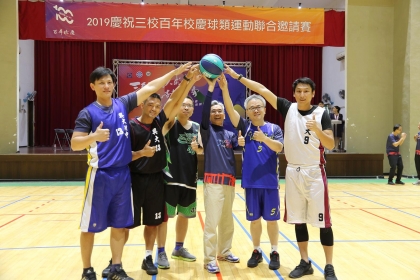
(216, 102)
(254, 96)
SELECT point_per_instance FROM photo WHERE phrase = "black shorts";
(181, 201)
(149, 194)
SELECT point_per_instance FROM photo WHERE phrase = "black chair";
(61, 137)
(69, 133)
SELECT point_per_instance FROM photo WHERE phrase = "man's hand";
(211, 83)
(149, 151)
(259, 136)
(101, 135)
(241, 139)
(194, 144)
(403, 135)
(184, 67)
(312, 124)
(231, 72)
(222, 82)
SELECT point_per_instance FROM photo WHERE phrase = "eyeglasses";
(216, 111)
(252, 108)
(186, 105)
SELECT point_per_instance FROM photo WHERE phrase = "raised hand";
(231, 72)
(194, 73)
(101, 134)
(259, 135)
(149, 151)
(241, 139)
(312, 124)
(184, 67)
(194, 144)
(222, 82)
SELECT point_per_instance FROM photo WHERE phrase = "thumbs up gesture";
(194, 144)
(312, 124)
(241, 139)
(101, 134)
(259, 135)
(149, 151)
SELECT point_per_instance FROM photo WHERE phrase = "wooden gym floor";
(376, 231)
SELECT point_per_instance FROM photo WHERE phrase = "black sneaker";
(399, 183)
(329, 273)
(148, 265)
(303, 268)
(390, 183)
(274, 261)
(118, 274)
(255, 259)
(89, 274)
(106, 271)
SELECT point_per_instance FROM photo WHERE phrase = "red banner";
(183, 23)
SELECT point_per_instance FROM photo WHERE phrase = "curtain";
(62, 72)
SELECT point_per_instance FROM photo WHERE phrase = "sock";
(85, 270)
(161, 249)
(258, 248)
(148, 253)
(179, 245)
(273, 248)
(115, 266)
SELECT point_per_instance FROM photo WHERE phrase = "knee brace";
(302, 234)
(326, 236)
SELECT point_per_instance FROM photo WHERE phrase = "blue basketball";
(211, 65)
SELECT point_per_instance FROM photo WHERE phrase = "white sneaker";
(417, 183)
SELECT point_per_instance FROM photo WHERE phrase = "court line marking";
(383, 205)
(218, 275)
(15, 201)
(250, 238)
(11, 221)
(356, 241)
(390, 221)
(63, 246)
(294, 245)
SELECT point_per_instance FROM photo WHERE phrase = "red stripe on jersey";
(327, 216)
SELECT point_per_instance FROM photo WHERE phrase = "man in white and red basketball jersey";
(307, 129)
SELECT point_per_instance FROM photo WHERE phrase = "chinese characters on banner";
(132, 77)
(183, 23)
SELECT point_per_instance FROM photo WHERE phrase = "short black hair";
(338, 108)
(100, 72)
(153, 95)
(190, 98)
(396, 126)
(303, 80)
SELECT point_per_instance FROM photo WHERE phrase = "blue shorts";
(262, 203)
(107, 199)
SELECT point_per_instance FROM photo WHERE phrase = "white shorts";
(306, 197)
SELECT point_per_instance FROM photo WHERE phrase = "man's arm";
(401, 141)
(325, 136)
(255, 87)
(415, 137)
(81, 140)
(205, 117)
(155, 85)
(233, 115)
(174, 102)
(147, 151)
(273, 144)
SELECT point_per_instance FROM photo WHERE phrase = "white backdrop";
(26, 84)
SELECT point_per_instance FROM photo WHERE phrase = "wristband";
(185, 78)
(240, 77)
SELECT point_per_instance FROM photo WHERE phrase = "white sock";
(273, 248)
(258, 248)
(148, 253)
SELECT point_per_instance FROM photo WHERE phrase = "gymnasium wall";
(9, 76)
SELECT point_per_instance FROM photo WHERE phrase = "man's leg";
(400, 168)
(86, 247)
(273, 233)
(118, 239)
(181, 228)
(256, 230)
(162, 230)
(226, 227)
(393, 165)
